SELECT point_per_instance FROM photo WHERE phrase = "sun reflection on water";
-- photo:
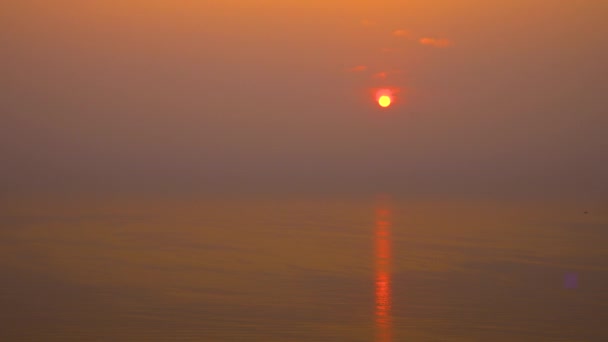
(383, 319)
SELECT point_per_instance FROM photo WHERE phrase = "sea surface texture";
(364, 269)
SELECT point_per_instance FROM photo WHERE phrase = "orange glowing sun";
(384, 101)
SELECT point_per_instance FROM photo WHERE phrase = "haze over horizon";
(303, 170)
(256, 96)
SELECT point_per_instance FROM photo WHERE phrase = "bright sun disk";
(384, 101)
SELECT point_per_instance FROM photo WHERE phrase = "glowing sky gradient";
(273, 96)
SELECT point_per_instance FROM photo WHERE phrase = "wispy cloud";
(402, 33)
(380, 75)
(358, 68)
(367, 23)
(436, 42)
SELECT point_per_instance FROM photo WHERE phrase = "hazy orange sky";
(496, 97)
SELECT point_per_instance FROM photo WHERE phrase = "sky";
(491, 98)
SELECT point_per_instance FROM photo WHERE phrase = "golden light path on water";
(382, 254)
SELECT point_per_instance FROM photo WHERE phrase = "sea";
(368, 269)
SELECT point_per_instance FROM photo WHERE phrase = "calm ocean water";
(303, 270)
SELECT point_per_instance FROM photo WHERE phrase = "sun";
(385, 96)
(384, 101)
